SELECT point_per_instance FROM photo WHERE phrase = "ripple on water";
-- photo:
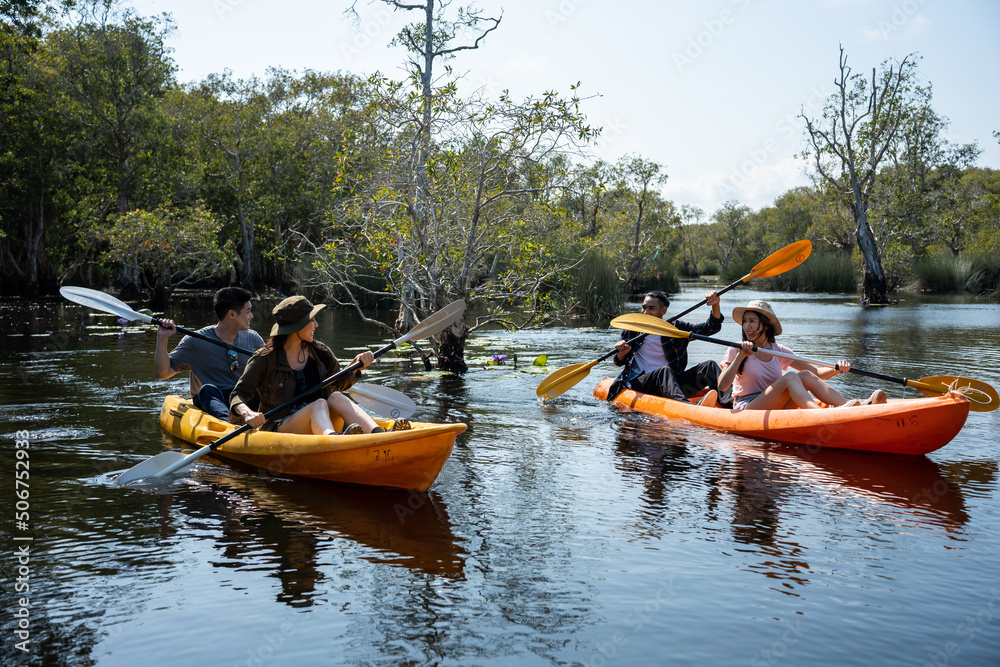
(554, 528)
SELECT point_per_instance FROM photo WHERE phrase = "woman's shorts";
(741, 402)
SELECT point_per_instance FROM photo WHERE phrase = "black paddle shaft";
(195, 334)
(878, 376)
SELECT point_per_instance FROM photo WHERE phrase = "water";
(562, 533)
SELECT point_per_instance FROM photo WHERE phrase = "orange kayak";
(402, 460)
(901, 426)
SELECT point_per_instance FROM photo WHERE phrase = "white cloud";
(756, 189)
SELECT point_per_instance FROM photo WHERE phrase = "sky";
(711, 90)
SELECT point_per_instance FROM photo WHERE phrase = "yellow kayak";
(403, 460)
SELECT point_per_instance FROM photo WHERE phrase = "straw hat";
(292, 314)
(762, 307)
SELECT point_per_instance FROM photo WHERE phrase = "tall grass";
(822, 272)
(665, 280)
(597, 292)
(978, 274)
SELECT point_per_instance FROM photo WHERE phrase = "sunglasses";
(233, 363)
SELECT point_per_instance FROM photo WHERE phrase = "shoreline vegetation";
(119, 177)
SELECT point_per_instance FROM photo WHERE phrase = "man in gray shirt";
(214, 369)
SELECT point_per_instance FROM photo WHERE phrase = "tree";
(922, 198)
(588, 193)
(451, 202)
(848, 143)
(228, 117)
(640, 176)
(732, 220)
(168, 247)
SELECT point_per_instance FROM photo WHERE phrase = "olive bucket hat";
(762, 307)
(292, 314)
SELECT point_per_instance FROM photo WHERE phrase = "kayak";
(901, 426)
(402, 460)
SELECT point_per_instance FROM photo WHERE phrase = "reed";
(946, 274)
(666, 280)
(979, 274)
(822, 272)
(596, 291)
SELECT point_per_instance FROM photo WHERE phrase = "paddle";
(562, 380)
(168, 462)
(381, 400)
(983, 396)
(109, 304)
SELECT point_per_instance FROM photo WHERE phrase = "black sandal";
(401, 425)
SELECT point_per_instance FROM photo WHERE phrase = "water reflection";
(758, 488)
(453, 403)
(287, 526)
(912, 483)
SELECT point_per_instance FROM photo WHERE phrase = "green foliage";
(169, 247)
(989, 274)
(710, 269)
(399, 191)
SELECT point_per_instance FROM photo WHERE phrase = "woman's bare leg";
(313, 419)
(821, 389)
(348, 412)
(788, 389)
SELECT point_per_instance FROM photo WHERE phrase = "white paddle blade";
(149, 468)
(101, 301)
(383, 401)
(436, 323)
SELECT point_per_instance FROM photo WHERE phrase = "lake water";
(564, 533)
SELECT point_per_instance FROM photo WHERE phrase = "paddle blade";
(383, 401)
(149, 468)
(781, 261)
(101, 301)
(564, 379)
(649, 325)
(436, 323)
(983, 396)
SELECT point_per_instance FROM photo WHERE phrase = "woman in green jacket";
(288, 365)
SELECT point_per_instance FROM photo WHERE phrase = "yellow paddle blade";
(983, 396)
(564, 379)
(780, 261)
(649, 325)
